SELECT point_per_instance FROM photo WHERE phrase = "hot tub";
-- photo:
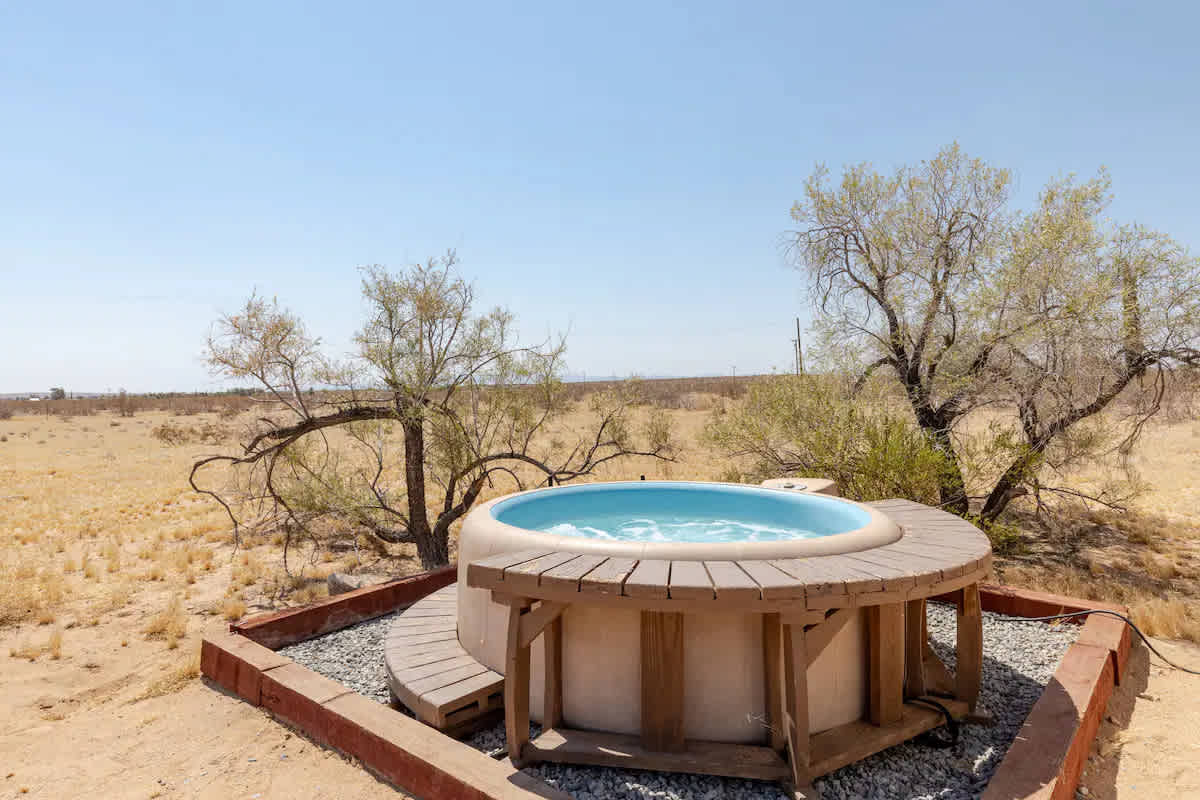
(679, 521)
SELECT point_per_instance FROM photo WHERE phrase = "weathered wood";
(773, 691)
(649, 579)
(914, 648)
(608, 579)
(835, 748)
(662, 681)
(485, 572)
(552, 706)
(690, 581)
(795, 678)
(819, 637)
(532, 623)
(566, 576)
(731, 583)
(938, 679)
(568, 746)
(526, 577)
(968, 669)
(885, 625)
(773, 582)
(516, 684)
(817, 579)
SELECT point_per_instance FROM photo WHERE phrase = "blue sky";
(621, 171)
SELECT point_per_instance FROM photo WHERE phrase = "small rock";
(342, 582)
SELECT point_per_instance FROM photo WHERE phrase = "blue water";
(675, 511)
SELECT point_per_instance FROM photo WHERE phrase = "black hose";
(929, 739)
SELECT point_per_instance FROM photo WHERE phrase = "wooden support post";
(914, 648)
(885, 625)
(662, 681)
(968, 671)
(516, 683)
(773, 677)
(552, 705)
(795, 676)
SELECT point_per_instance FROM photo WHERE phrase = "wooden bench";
(431, 674)
(803, 602)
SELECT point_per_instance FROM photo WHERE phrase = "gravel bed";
(1019, 659)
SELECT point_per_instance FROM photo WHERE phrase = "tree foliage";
(927, 275)
(438, 403)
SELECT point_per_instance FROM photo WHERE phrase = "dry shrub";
(175, 678)
(169, 624)
(233, 609)
(1169, 617)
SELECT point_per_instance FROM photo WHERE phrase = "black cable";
(1122, 617)
(928, 738)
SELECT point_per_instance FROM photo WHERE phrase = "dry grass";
(174, 678)
(233, 609)
(170, 624)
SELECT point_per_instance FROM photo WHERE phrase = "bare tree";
(469, 405)
(1056, 312)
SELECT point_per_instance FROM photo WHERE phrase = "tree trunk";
(433, 549)
(952, 488)
(1009, 487)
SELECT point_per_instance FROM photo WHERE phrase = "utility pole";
(799, 350)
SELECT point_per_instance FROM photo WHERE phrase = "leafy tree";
(469, 405)
(58, 393)
(927, 274)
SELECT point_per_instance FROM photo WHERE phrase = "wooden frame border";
(1044, 762)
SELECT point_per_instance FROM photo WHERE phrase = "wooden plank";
(731, 584)
(526, 577)
(835, 748)
(409, 639)
(795, 679)
(417, 658)
(488, 573)
(566, 576)
(690, 581)
(895, 576)
(885, 626)
(552, 707)
(608, 579)
(409, 674)
(852, 576)
(535, 621)
(516, 685)
(404, 628)
(454, 695)
(816, 578)
(968, 667)
(439, 680)
(649, 579)
(914, 648)
(567, 746)
(820, 636)
(774, 696)
(926, 567)
(773, 582)
(662, 681)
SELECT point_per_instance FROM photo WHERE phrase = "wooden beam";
(773, 693)
(552, 714)
(938, 679)
(886, 675)
(968, 671)
(516, 684)
(795, 676)
(532, 623)
(662, 681)
(819, 637)
(569, 746)
(914, 648)
(835, 748)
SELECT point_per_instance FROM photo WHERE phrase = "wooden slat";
(566, 576)
(731, 584)
(568, 746)
(895, 577)
(914, 648)
(648, 579)
(608, 578)
(552, 706)
(690, 581)
(418, 658)
(835, 748)
(662, 681)
(439, 680)
(526, 577)
(817, 580)
(488, 573)
(774, 695)
(885, 626)
(448, 699)
(409, 639)
(773, 582)
(434, 668)
(968, 665)
(856, 579)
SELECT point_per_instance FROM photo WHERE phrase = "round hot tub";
(677, 521)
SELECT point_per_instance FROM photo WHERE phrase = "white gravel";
(1019, 659)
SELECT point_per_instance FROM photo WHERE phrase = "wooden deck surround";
(803, 603)
(432, 675)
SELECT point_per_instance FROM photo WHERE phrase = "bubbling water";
(623, 528)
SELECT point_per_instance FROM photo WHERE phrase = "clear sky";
(621, 171)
